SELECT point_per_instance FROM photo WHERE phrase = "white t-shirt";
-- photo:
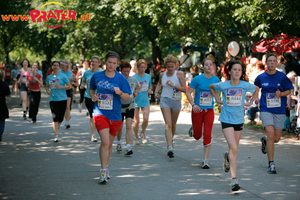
(185, 62)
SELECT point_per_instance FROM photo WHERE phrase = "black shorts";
(58, 109)
(128, 114)
(236, 127)
(24, 88)
(70, 95)
(89, 104)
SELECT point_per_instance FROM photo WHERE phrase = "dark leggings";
(58, 109)
(34, 102)
(82, 91)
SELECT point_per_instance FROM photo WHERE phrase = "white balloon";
(233, 48)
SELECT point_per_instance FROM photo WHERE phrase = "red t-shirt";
(7, 74)
(33, 84)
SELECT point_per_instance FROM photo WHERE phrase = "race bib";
(176, 94)
(143, 86)
(272, 100)
(88, 82)
(105, 101)
(234, 97)
(24, 79)
(206, 99)
(53, 83)
(132, 88)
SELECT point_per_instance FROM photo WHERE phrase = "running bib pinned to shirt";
(272, 100)
(206, 99)
(176, 94)
(105, 101)
(234, 97)
(53, 83)
(143, 86)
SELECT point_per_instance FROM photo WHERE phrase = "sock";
(104, 170)
(127, 146)
(270, 162)
(170, 147)
(56, 136)
(119, 142)
(67, 122)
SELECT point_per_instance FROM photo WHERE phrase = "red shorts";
(102, 122)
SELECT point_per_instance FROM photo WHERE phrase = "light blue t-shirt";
(68, 74)
(15, 73)
(87, 77)
(57, 94)
(40, 72)
(142, 99)
(109, 103)
(233, 101)
(270, 84)
(203, 97)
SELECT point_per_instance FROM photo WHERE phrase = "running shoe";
(191, 132)
(33, 122)
(107, 173)
(271, 168)
(143, 136)
(94, 139)
(119, 148)
(234, 184)
(24, 116)
(170, 153)
(128, 151)
(79, 108)
(56, 139)
(205, 164)
(263, 140)
(68, 126)
(103, 177)
(226, 165)
(29, 119)
(136, 141)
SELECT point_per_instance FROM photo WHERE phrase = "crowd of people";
(120, 90)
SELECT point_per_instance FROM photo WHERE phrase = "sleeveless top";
(168, 90)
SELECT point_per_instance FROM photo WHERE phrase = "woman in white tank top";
(173, 84)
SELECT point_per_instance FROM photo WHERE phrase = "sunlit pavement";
(34, 167)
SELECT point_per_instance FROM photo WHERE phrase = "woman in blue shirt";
(275, 86)
(111, 87)
(232, 114)
(56, 85)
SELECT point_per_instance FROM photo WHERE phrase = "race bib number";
(273, 101)
(88, 82)
(143, 86)
(105, 101)
(176, 94)
(53, 83)
(234, 97)
(132, 88)
(24, 79)
(206, 98)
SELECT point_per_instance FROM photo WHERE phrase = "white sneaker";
(128, 151)
(79, 108)
(55, 139)
(205, 164)
(103, 177)
(29, 119)
(226, 164)
(94, 139)
(136, 141)
(119, 148)
(143, 136)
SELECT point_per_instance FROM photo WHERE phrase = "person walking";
(56, 85)
(34, 81)
(232, 114)
(173, 84)
(128, 108)
(111, 87)
(4, 92)
(203, 107)
(275, 86)
(142, 101)
(89, 104)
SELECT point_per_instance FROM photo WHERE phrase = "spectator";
(185, 60)
(281, 65)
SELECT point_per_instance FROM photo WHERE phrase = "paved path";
(34, 167)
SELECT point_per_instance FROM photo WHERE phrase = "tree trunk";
(6, 57)
(156, 52)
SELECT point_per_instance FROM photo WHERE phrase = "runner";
(34, 81)
(275, 87)
(128, 108)
(232, 115)
(4, 92)
(24, 71)
(111, 87)
(56, 85)
(66, 69)
(203, 107)
(14, 74)
(89, 104)
(142, 101)
(82, 89)
(173, 84)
